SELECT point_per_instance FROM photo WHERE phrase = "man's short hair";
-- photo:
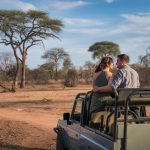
(124, 57)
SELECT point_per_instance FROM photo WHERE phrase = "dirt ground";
(27, 117)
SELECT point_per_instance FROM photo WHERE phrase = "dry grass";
(27, 117)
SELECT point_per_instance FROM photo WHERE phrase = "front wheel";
(59, 143)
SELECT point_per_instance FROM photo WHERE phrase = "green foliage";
(67, 63)
(88, 71)
(66, 66)
(38, 75)
(7, 66)
(143, 74)
(50, 68)
(71, 78)
(101, 49)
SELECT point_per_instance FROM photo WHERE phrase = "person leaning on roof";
(125, 77)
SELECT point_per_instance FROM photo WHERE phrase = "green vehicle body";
(118, 127)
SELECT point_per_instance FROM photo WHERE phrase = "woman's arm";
(106, 88)
(109, 77)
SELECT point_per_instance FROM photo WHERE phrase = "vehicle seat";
(98, 120)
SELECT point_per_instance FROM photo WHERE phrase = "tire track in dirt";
(22, 135)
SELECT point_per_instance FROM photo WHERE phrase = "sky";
(125, 22)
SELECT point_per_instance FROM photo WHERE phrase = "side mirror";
(66, 116)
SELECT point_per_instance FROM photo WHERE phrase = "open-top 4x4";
(117, 128)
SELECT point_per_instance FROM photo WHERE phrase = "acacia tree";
(50, 68)
(22, 30)
(6, 60)
(6, 66)
(145, 60)
(67, 64)
(104, 48)
(71, 78)
(89, 68)
(55, 56)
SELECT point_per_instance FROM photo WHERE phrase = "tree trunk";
(56, 74)
(15, 82)
(23, 69)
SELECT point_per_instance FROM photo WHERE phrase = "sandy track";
(27, 118)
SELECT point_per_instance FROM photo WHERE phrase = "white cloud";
(141, 40)
(109, 1)
(82, 22)
(16, 4)
(64, 5)
(25, 6)
(134, 46)
(131, 33)
(138, 23)
(99, 31)
(139, 18)
(88, 31)
(120, 29)
(133, 24)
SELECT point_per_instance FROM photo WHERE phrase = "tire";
(60, 143)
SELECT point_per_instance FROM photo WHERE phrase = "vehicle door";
(74, 128)
(91, 139)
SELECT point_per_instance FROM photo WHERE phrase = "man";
(125, 77)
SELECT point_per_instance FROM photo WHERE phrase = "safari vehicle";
(117, 128)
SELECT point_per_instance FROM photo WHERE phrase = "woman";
(102, 77)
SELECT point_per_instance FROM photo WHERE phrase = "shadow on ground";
(15, 147)
(37, 102)
(19, 135)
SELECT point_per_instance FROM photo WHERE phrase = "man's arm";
(117, 80)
